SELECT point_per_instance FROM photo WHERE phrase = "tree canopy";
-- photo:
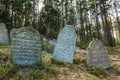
(91, 18)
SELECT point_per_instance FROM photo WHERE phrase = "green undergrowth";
(50, 69)
(82, 45)
(114, 50)
(5, 50)
(5, 69)
(97, 71)
(5, 65)
(35, 75)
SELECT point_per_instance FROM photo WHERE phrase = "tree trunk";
(97, 22)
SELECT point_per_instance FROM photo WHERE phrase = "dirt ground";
(115, 60)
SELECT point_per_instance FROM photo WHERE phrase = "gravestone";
(26, 47)
(13, 31)
(3, 34)
(65, 45)
(97, 55)
(52, 42)
(51, 45)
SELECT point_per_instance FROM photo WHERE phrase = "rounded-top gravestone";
(65, 45)
(3, 34)
(97, 55)
(26, 46)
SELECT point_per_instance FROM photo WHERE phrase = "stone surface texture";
(26, 46)
(97, 55)
(3, 34)
(65, 45)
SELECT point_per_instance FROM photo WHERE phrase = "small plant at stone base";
(97, 71)
(61, 63)
(76, 60)
(51, 70)
(79, 60)
(57, 62)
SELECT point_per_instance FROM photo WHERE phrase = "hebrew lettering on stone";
(97, 55)
(3, 34)
(65, 46)
(26, 47)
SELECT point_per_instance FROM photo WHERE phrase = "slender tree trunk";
(117, 17)
(82, 30)
(97, 22)
(108, 30)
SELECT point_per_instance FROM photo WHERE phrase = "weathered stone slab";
(52, 42)
(26, 46)
(65, 46)
(3, 34)
(51, 45)
(97, 55)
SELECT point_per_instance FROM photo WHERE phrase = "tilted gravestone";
(97, 55)
(3, 34)
(65, 46)
(26, 47)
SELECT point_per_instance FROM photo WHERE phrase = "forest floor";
(114, 73)
(53, 70)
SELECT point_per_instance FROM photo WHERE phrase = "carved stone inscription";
(97, 55)
(3, 34)
(26, 47)
(65, 46)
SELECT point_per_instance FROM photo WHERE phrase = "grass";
(5, 69)
(97, 71)
(5, 50)
(113, 50)
(5, 65)
(116, 68)
(50, 69)
(36, 74)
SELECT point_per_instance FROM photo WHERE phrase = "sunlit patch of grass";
(63, 70)
(4, 52)
(46, 58)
